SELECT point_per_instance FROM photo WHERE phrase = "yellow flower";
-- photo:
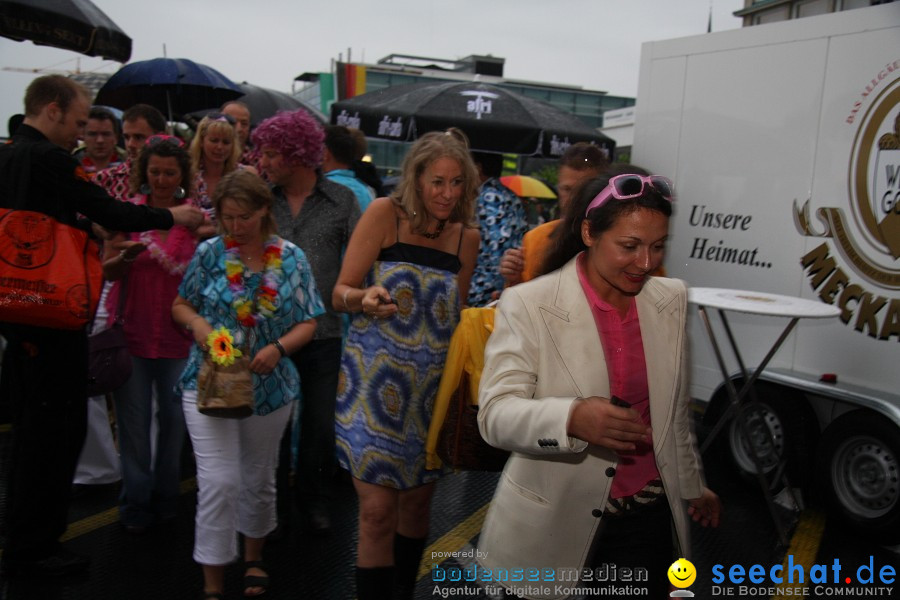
(221, 347)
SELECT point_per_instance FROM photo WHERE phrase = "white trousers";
(236, 461)
(99, 460)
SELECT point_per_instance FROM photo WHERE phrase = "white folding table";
(763, 304)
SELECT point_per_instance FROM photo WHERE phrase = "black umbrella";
(495, 119)
(176, 86)
(265, 102)
(68, 24)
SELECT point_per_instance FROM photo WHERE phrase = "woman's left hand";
(707, 509)
(265, 360)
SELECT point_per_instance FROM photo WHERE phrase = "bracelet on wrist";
(347, 306)
(280, 348)
(125, 258)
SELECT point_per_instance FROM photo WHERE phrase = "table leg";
(748, 388)
(736, 399)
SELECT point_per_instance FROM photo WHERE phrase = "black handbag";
(109, 361)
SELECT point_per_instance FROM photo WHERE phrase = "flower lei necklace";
(157, 249)
(249, 309)
(158, 253)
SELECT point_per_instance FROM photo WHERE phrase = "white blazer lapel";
(573, 331)
(660, 333)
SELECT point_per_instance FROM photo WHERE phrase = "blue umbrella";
(176, 86)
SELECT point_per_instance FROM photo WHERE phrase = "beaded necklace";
(437, 232)
(248, 306)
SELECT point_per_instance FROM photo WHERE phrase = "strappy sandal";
(257, 581)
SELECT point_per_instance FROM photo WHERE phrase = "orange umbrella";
(527, 187)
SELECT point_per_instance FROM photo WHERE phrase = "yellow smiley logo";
(682, 573)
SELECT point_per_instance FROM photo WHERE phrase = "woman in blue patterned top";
(260, 287)
(404, 277)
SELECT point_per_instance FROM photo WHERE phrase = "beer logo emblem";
(875, 184)
(866, 234)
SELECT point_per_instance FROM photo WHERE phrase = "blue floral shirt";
(501, 219)
(206, 288)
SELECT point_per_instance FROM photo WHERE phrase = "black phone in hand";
(616, 401)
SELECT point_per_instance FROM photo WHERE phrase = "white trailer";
(784, 144)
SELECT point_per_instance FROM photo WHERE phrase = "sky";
(594, 44)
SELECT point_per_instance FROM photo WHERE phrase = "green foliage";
(547, 174)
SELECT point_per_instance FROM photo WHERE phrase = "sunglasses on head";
(627, 187)
(160, 138)
(217, 116)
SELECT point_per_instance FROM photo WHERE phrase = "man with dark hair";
(502, 223)
(340, 150)
(318, 215)
(138, 123)
(580, 162)
(100, 138)
(47, 368)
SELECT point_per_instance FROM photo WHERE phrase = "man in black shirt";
(47, 367)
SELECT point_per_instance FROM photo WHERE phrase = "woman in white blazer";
(585, 381)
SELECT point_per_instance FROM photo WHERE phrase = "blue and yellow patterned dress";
(391, 368)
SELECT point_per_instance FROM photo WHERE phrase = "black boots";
(407, 556)
(374, 583)
(392, 583)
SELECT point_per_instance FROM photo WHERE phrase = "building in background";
(619, 125)
(349, 79)
(758, 12)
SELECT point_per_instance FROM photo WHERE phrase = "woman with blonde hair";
(215, 152)
(404, 278)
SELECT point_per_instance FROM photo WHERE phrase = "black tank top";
(422, 255)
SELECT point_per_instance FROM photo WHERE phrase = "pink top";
(627, 369)
(153, 281)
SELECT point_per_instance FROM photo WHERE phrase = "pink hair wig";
(295, 135)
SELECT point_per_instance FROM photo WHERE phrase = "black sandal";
(213, 596)
(259, 581)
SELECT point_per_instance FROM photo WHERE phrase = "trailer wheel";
(767, 433)
(859, 472)
(781, 427)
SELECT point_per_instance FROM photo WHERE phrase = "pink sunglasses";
(626, 187)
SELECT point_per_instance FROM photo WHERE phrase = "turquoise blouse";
(206, 288)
